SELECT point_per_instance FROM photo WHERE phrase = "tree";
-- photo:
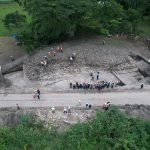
(133, 17)
(55, 19)
(13, 20)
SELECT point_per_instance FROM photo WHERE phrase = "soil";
(11, 117)
(9, 48)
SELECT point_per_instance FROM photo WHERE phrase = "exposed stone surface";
(11, 116)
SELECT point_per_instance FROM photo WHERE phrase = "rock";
(70, 122)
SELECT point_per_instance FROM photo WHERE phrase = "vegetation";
(144, 26)
(109, 130)
(7, 8)
(14, 20)
(53, 20)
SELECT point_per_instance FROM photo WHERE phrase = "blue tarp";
(13, 36)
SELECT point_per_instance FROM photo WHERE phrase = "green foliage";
(13, 20)
(55, 20)
(104, 31)
(25, 119)
(111, 130)
(10, 8)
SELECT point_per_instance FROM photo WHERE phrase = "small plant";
(25, 119)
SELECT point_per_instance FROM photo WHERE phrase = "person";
(142, 86)
(12, 58)
(104, 42)
(54, 53)
(79, 102)
(53, 109)
(112, 85)
(74, 56)
(86, 105)
(97, 76)
(49, 53)
(44, 63)
(65, 110)
(61, 49)
(91, 73)
(70, 85)
(69, 110)
(90, 106)
(45, 57)
(106, 106)
(70, 58)
(93, 78)
(34, 94)
(38, 96)
(38, 92)
(18, 107)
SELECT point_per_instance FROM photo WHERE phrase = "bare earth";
(9, 48)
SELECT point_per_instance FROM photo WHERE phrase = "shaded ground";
(8, 47)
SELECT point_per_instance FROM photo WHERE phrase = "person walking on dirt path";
(34, 94)
(18, 107)
(93, 78)
(90, 106)
(38, 96)
(12, 58)
(54, 53)
(142, 86)
(79, 102)
(53, 109)
(86, 105)
(46, 58)
(65, 110)
(97, 76)
(61, 49)
(104, 42)
(91, 73)
(69, 110)
(38, 91)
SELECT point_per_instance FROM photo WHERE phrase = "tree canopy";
(59, 19)
(13, 20)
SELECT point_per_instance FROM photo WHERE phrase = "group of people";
(52, 52)
(92, 76)
(36, 94)
(92, 86)
(66, 110)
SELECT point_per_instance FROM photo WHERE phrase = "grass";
(144, 26)
(6, 8)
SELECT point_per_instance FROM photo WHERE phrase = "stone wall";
(16, 65)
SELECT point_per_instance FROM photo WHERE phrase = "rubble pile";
(35, 71)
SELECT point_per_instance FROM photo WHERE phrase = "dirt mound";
(89, 52)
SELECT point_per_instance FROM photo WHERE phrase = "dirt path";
(117, 98)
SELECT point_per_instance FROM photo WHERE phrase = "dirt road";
(26, 100)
